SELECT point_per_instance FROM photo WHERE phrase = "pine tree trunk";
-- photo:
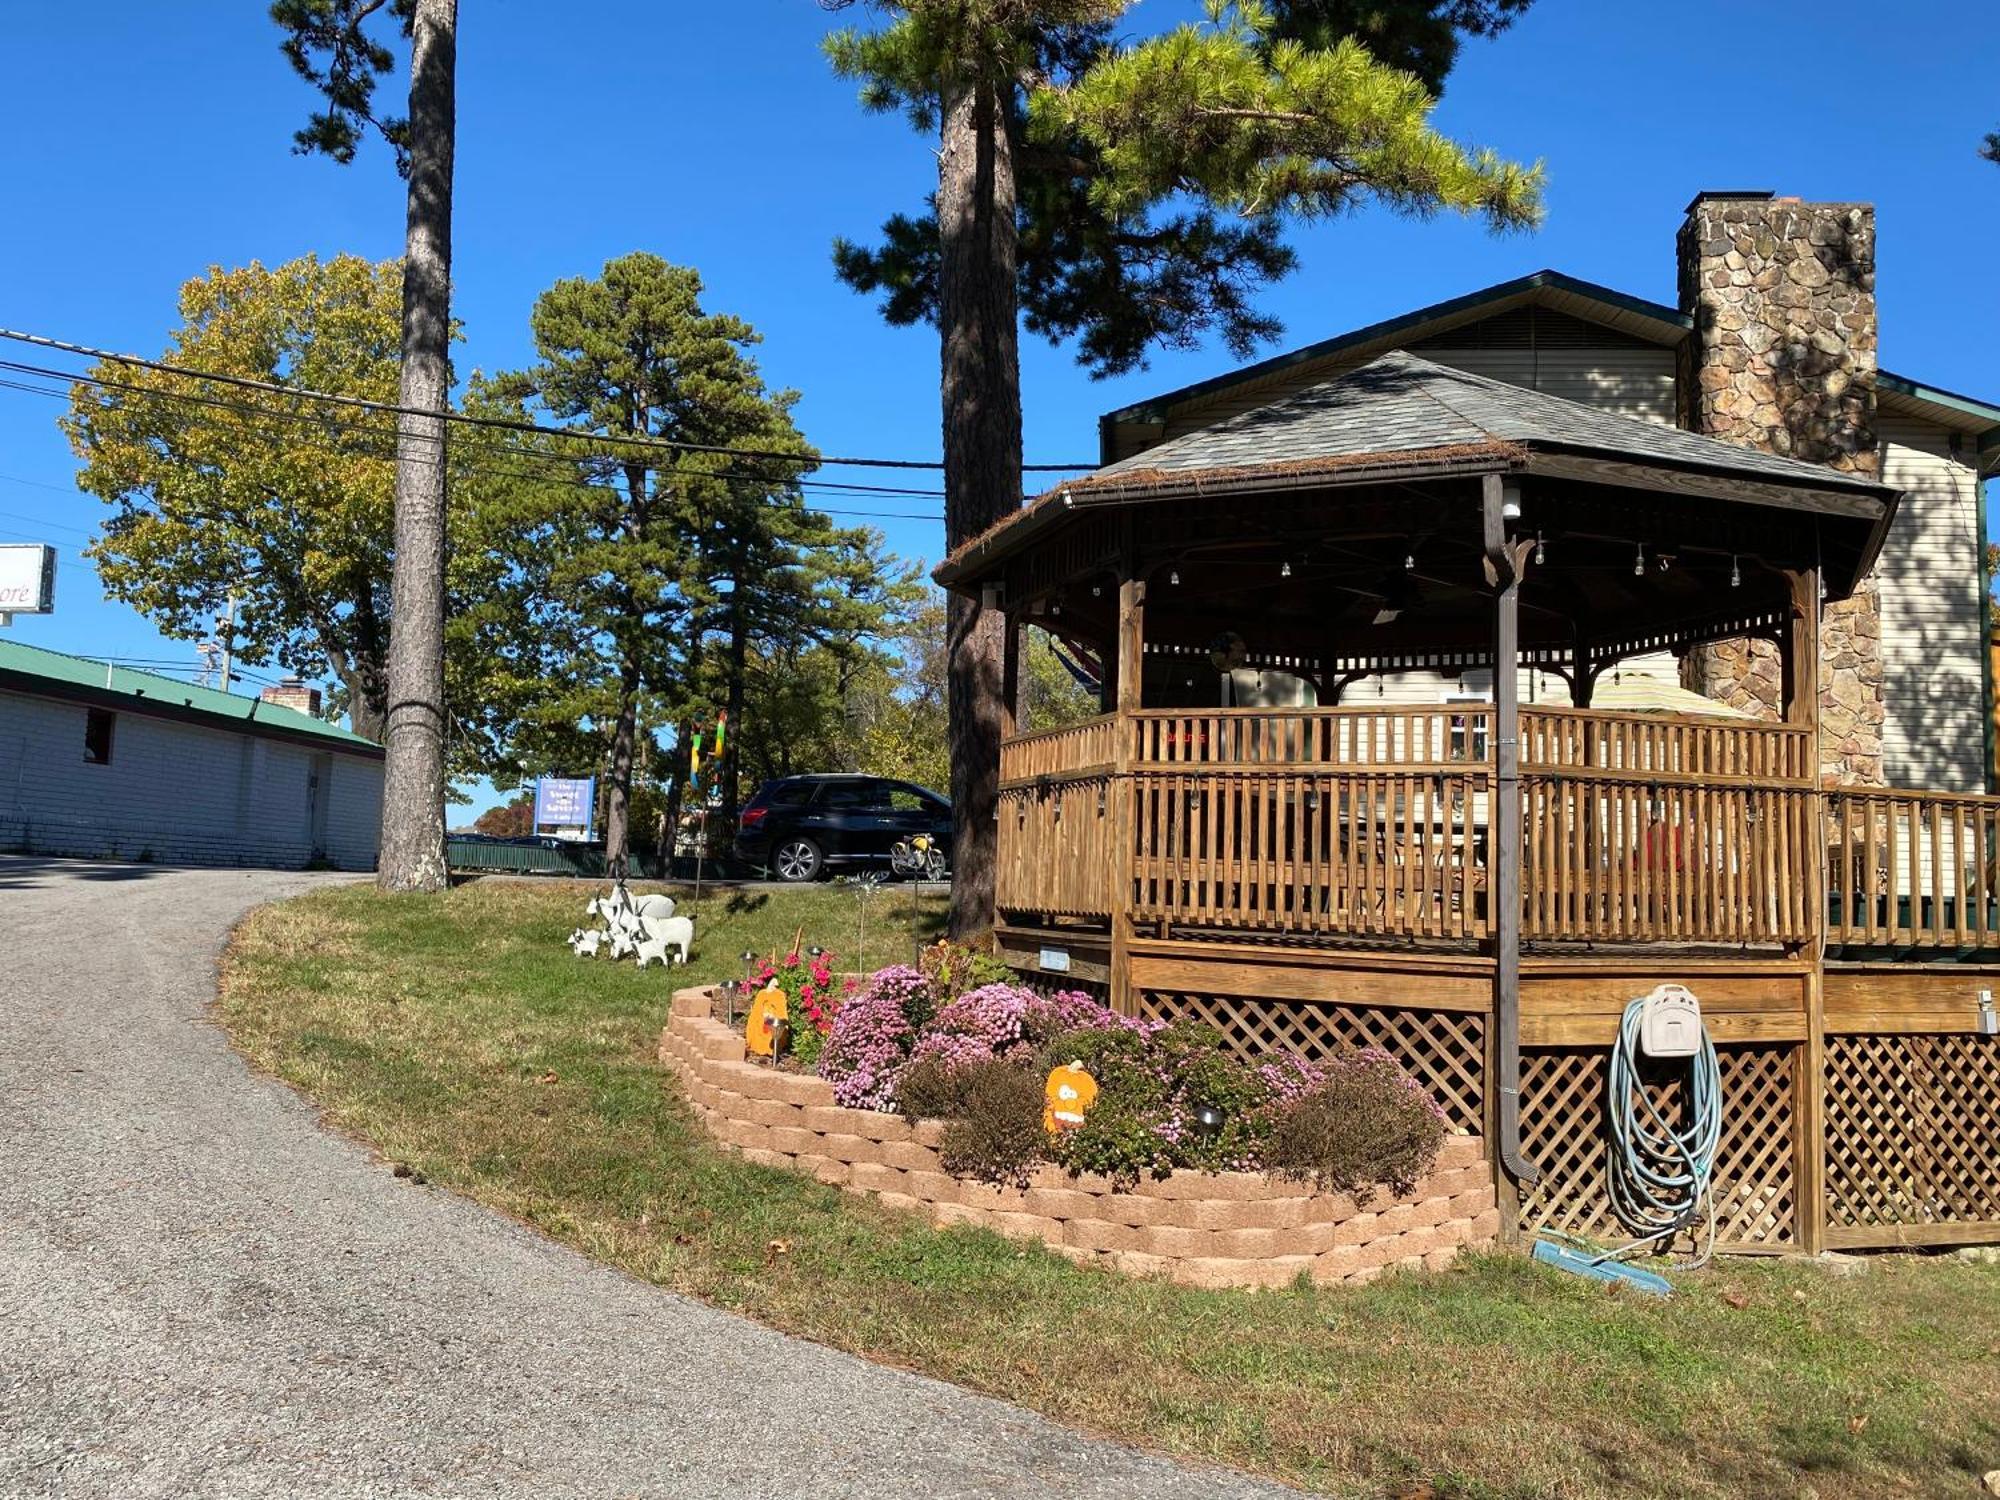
(413, 776)
(618, 804)
(981, 390)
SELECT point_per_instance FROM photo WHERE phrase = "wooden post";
(1010, 678)
(1505, 561)
(1131, 648)
(1798, 654)
(1582, 676)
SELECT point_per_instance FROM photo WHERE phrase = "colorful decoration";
(1068, 1096)
(767, 1009)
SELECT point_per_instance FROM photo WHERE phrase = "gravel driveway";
(203, 1294)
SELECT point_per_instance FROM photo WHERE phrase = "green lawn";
(460, 1036)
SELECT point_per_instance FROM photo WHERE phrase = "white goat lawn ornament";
(646, 926)
(676, 933)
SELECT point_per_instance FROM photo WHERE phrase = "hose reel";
(1660, 1170)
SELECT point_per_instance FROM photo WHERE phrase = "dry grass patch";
(460, 1036)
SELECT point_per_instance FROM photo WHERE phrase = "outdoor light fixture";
(1541, 552)
(1510, 503)
(1639, 561)
(1735, 572)
(1174, 576)
(816, 953)
(1208, 1121)
(1409, 562)
(1285, 568)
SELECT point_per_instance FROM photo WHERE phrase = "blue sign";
(565, 802)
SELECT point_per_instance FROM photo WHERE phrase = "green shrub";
(953, 969)
(1149, 1085)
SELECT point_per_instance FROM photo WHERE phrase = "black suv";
(802, 826)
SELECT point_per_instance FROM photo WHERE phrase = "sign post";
(564, 802)
(27, 580)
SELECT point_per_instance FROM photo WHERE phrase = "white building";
(103, 762)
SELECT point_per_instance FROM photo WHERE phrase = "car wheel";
(797, 860)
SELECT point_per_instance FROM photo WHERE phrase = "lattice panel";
(1912, 1130)
(1563, 1096)
(1444, 1050)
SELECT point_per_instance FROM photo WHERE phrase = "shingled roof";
(1403, 416)
(1400, 404)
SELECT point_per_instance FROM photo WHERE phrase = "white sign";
(27, 578)
(1055, 960)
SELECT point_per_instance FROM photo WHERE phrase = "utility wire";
(84, 351)
(385, 440)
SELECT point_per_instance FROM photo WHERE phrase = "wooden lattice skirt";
(1563, 1097)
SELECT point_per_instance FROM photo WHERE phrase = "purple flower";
(869, 1046)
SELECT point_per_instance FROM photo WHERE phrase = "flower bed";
(1207, 1228)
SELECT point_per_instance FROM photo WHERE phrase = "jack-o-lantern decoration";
(767, 1009)
(1067, 1097)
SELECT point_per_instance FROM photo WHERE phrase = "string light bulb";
(1735, 572)
(1639, 561)
(1174, 577)
(1409, 562)
(1541, 550)
(1285, 568)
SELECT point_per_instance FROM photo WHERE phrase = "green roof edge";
(63, 674)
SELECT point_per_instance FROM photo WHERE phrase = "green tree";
(614, 542)
(1230, 115)
(218, 490)
(1118, 285)
(328, 44)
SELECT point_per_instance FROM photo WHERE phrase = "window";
(908, 800)
(853, 796)
(1468, 728)
(97, 724)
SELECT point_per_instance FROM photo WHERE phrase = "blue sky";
(142, 142)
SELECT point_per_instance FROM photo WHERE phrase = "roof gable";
(1400, 403)
(1618, 317)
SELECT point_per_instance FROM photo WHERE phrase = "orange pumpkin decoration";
(1067, 1097)
(767, 1009)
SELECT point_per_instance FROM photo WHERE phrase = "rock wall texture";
(1222, 1229)
(1783, 358)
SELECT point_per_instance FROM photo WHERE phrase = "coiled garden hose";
(1661, 1178)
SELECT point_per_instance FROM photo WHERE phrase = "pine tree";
(329, 45)
(621, 540)
(1231, 115)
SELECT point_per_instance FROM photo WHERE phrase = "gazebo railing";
(1375, 822)
(1912, 870)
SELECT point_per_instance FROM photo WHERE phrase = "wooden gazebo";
(1481, 887)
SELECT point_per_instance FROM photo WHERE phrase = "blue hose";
(1661, 1179)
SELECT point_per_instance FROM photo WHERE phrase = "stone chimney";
(1782, 358)
(293, 693)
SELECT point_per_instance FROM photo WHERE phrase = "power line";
(506, 424)
(386, 438)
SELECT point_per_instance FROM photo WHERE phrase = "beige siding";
(1929, 578)
(1400, 689)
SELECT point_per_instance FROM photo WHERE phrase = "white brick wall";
(177, 793)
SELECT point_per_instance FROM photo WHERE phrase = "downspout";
(1503, 574)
